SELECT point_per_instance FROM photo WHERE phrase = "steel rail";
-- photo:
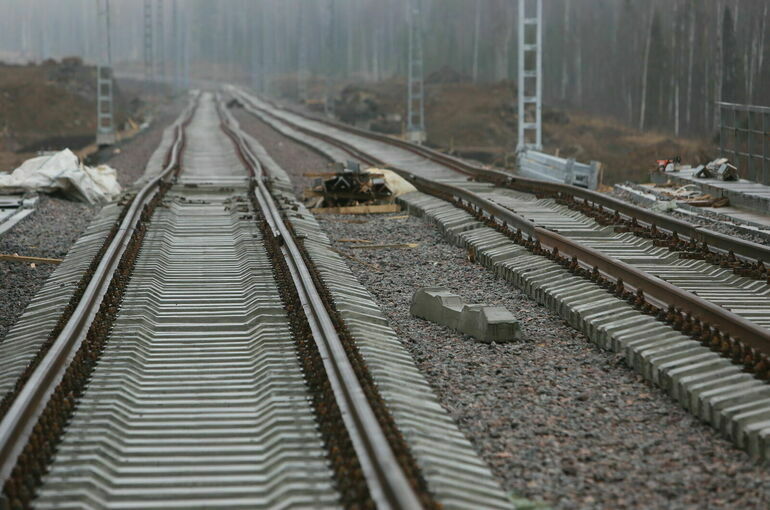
(742, 248)
(727, 322)
(387, 483)
(18, 423)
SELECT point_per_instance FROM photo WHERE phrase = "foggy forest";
(658, 64)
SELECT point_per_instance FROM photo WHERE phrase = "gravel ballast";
(48, 232)
(556, 418)
(134, 155)
(57, 223)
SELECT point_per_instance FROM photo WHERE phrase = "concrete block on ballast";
(437, 304)
(489, 323)
(485, 323)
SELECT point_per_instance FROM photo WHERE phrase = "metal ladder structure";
(160, 63)
(176, 45)
(329, 28)
(105, 120)
(256, 55)
(302, 60)
(149, 68)
(530, 75)
(415, 106)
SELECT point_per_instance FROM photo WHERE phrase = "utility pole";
(159, 43)
(530, 75)
(415, 105)
(105, 120)
(149, 74)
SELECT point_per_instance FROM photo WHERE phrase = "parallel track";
(728, 311)
(610, 274)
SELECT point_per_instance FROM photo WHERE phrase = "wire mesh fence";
(743, 138)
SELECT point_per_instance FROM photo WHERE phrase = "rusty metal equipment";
(348, 185)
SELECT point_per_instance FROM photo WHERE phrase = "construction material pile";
(348, 186)
(63, 172)
(718, 169)
(690, 194)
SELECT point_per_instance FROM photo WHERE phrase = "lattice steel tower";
(302, 60)
(159, 40)
(149, 70)
(105, 120)
(530, 75)
(256, 54)
(329, 60)
(176, 45)
(415, 106)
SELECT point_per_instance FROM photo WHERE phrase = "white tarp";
(63, 171)
(397, 184)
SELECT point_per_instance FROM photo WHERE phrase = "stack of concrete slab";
(741, 193)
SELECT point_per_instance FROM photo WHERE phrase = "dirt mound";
(49, 107)
(447, 75)
(480, 121)
(357, 104)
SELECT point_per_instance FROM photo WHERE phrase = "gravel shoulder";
(132, 159)
(556, 418)
(57, 223)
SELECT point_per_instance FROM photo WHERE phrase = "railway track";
(688, 307)
(204, 363)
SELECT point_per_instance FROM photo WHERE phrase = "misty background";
(653, 64)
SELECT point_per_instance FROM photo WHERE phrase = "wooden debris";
(401, 217)
(373, 267)
(327, 175)
(358, 209)
(384, 246)
(354, 241)
(28, 260)
(721, 202)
